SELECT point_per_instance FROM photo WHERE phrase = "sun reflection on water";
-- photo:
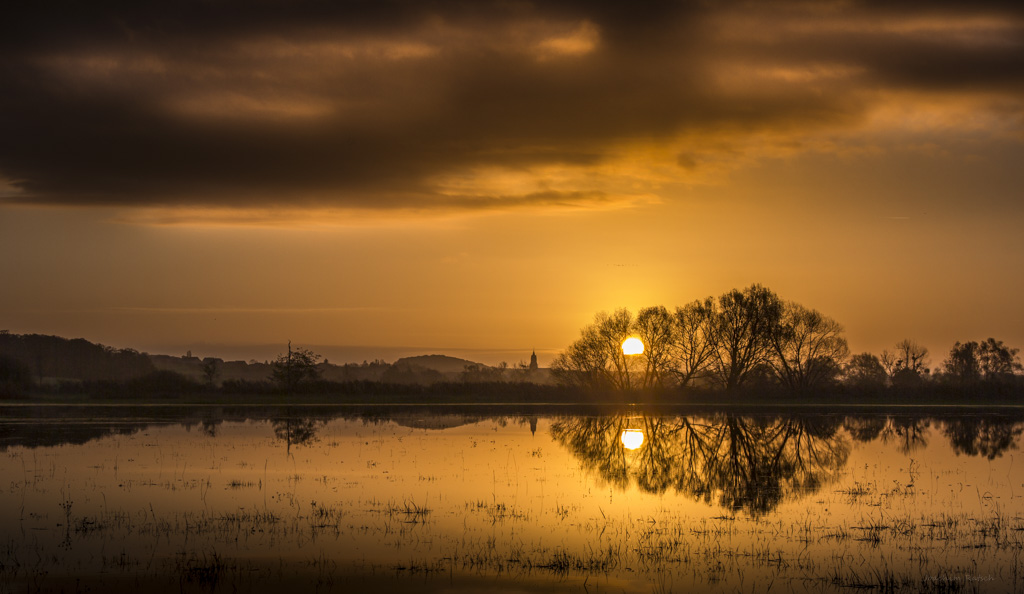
(632, 439)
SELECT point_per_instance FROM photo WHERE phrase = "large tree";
(996, 360)
(596, 360)
(865, 371)
(907, 363)
(295, 367)
(962, 364)
(809, 348)
(746, 322)
(583, 363)
(696, 340)
(656, 328)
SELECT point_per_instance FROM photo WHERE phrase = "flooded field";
(459, 500)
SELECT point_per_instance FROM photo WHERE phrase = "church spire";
(533, 361)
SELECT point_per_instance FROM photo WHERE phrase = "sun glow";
(632, 346)
(632, 438)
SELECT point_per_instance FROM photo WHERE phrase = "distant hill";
(51, 359)
(440, 363)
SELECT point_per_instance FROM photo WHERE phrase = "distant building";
(533, 361)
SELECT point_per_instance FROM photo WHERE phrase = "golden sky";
(481, 178)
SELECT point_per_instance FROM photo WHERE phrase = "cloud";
(245, 310)
(439, 107)
(449, 207)
(8, 189)
(579, 42)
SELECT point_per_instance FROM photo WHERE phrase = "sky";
(379, 179)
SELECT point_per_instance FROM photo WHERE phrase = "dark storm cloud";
(369, 104)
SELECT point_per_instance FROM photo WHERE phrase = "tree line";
(753, 339)
(748, 341)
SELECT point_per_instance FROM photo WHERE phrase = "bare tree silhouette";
(809, 349)
(997, 361)
(295, 367)
(696, 340)
(746, 322)
(906, 363)
(596, 359)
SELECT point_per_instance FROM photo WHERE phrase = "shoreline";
(595, 406)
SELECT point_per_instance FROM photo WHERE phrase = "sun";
(632, 346)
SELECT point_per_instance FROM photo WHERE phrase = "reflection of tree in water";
(210, 426)
(865, 429)
(977, 436)
(908, 434)
(744, 463)
(295, 431)
(987, 436)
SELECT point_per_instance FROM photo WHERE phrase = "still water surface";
(412, 500)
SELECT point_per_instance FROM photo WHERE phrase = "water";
(462, 499)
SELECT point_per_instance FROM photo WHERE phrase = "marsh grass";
(239, 484)
(497, 512)
(712, 551)
(203, 569)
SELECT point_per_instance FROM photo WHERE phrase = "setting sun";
(632, 346)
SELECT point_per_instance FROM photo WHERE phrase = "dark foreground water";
(465, 499)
